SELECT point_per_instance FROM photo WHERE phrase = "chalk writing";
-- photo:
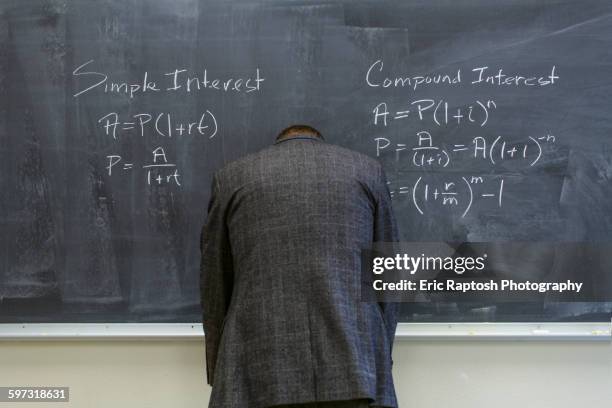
(159, 171)
(461, 193)
(177, 80)
(429, 155)
(425, 153)
(161, 124)
(481, 76)
(90, 79)
(439, 111)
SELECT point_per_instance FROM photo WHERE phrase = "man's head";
(296, 130)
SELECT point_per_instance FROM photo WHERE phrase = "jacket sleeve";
(216, 275)
(386, 230)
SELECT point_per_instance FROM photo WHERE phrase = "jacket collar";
(300, 136)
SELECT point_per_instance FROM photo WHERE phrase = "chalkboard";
(115, 113)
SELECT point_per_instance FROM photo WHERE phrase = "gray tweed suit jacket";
(280, 278)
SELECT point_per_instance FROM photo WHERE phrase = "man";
(280, 278)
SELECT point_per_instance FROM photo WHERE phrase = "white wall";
(436, 374)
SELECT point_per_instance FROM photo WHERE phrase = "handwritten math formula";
(91, 80)
(161, 124)
(436, 135)
(440, 112)
(423, 152)
(158, 171)
(460, 193)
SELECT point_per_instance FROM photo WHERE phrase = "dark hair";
(298, 129)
